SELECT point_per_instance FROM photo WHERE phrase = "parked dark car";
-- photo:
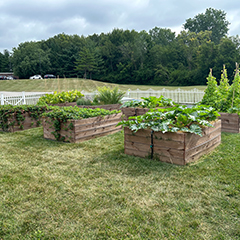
(3, 78)
(49, 76)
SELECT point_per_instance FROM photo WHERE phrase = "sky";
(35, 20)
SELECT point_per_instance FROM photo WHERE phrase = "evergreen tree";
(86, 62)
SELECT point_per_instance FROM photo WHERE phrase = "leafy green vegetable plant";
(174, 119)
(62, 97)
(150, 102)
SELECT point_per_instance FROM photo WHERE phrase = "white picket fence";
(20, 100)
(178, 96)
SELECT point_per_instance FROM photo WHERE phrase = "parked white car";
(36, 77)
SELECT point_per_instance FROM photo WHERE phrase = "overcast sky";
(34, 20)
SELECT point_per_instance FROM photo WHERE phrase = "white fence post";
(23, 98)
(2, 99)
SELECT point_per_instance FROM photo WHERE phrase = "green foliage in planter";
(211, 96)
(150, 102)
(107, 95)
(233, 98)
(8, 114)
(62, 97)
(174, 119)
(224, 98)
(223, 91)
(61, 115)
(84, 101)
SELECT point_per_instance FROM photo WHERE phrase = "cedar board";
(177, 148)
(84, 129)
(230, 122)
(28, 123)
(109, 107)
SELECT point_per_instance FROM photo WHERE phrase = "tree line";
(156, 57)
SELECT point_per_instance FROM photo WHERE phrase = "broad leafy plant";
(62, 97)
(174, 119)
(150, 102)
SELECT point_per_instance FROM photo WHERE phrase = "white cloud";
(26, 20)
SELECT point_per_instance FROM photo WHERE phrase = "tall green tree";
(5, 61)
(212, 20)
(162, 36)
(29, 59)
(86, 62)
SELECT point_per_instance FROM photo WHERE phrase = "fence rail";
(179, 96)
(21, 99)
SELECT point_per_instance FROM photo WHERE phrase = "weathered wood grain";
(230, 122)
(84, 129)
(177, 148)
(28, 123)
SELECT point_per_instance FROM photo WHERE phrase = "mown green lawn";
(92, 190)
(48, 85)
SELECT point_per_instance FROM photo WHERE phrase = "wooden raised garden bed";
(67, 104)
(230, 122)
(109, 107)
(177, 148)
(27, 123)
(85, 129)
(131, 111)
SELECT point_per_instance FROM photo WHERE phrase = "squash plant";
(150, 102)
(174, 119)
(62, 97)
(10, 114)
(60, 115)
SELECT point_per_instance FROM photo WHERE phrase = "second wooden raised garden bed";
(78, 130)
